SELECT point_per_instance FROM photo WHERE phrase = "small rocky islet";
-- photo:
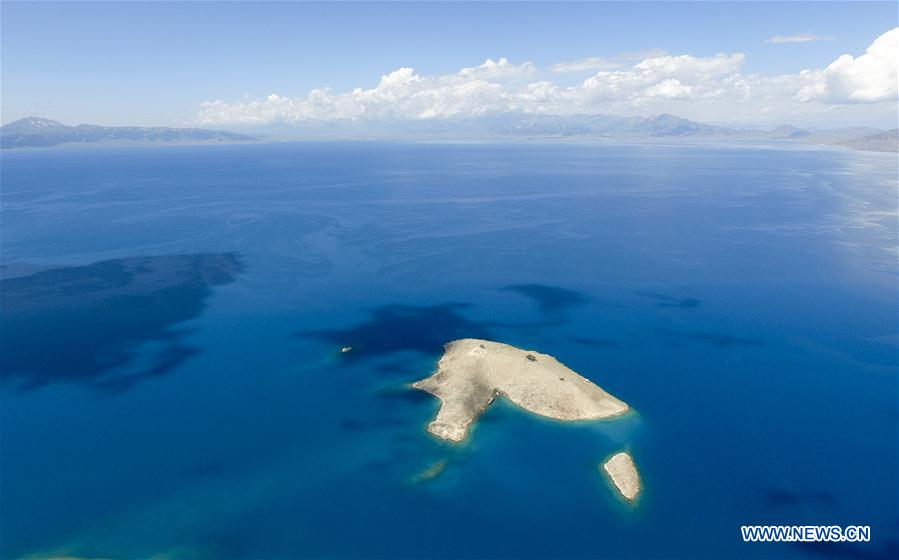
(623, 473)
(473, 373)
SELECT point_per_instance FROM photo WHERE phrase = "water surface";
(172, 318)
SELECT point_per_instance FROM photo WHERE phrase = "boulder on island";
(472, 373)
(621, 469)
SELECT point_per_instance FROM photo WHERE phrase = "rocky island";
(472, 373)
(621, 469)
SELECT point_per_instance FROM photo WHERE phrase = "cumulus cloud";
(501, 69)
(870, 78)
(401, 94)
(712, 87)
(797, 38)
(681, 77)
(670, 89)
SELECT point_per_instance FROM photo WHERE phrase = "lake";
(172, 319)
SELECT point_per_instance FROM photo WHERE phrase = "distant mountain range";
(660, 126)
(657, 126)
(498, 127)
(880, 141)
(34, 132)
(507, 126)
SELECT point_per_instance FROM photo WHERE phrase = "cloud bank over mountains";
(709, 88)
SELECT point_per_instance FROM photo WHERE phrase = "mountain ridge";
(38, 132)
(523, 126)
(41, 132)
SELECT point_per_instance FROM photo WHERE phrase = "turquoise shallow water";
(171, 320)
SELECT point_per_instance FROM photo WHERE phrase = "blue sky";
(155, 64)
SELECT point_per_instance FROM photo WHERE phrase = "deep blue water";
(171, 320)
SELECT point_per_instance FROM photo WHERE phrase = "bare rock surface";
(623, 473)
(472, 373)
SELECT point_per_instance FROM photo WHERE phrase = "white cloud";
(670, 89)
(870, 78)
(705, 88)
(671, 77)
(499, 70)
(604, 63)
(584, 64)
(798, 38)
